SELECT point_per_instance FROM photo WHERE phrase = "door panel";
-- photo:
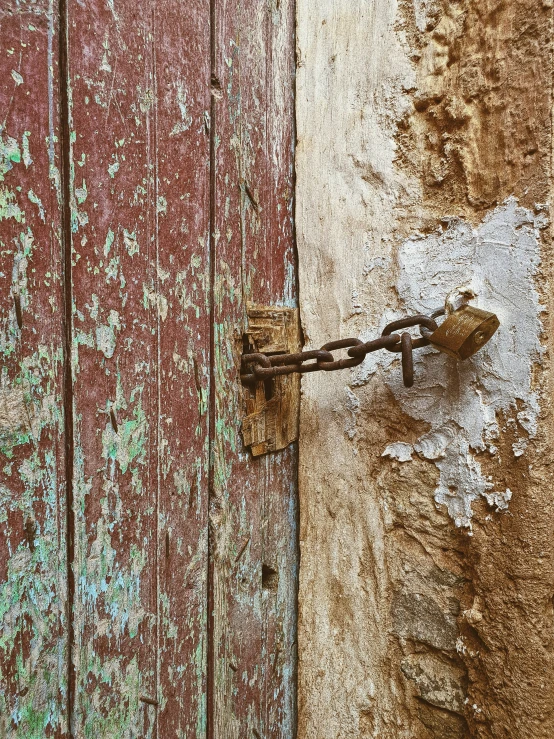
(183, 145)
(253, 504)
(139, 77)
(33, 568)
(173, 134)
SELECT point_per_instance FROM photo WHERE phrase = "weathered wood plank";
(253, 505)
(140, 161)
(115, 369)
(182, 45)
(32, 492)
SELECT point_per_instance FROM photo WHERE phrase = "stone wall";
(427, 573)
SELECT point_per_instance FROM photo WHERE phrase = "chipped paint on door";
(32, 489)
(253, 503)
(158, 174)
(141, 327)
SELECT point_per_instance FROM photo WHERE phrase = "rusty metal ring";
(341, 344)
(319, 355)
(328, 366)
(290, 359)
(407, 359)
(438, 312)
(260, 359)
(416, 344)
(383, 342)
(260, 364)
(419, 320)
(266, 373)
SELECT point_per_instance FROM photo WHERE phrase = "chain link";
(259, 367)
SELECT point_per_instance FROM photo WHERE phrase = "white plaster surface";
(463, 401)
(399, 450)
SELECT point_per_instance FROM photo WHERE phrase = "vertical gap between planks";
(296, 477)
(65, 146)
(158, 373)
(210, 647)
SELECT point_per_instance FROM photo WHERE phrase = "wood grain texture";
(139, 80)
(32, 495)
(253, 504)
(272, 407)
(183, 144)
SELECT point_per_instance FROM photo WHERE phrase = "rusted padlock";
(463, 332)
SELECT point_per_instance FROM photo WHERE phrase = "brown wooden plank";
(115, 369)
(140, 161)
(253, 504)
(182, 47)
(32, 492)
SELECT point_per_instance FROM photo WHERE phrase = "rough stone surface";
(437, 681)
(427, 560)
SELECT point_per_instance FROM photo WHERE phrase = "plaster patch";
(499, 500)
(463, 401)
(400, 451)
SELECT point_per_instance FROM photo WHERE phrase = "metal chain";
(259, 367)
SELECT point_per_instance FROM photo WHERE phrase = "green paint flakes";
(146, 99)
(127, 446)
(16, 412)
(106, 340)
(106, 335)
(163, 275)
(161, 205)
(109, 599)
(81, 193)
(113, 168)
(10, 154)
(153, 299)
(94, 308)
(109, 241)
(105, 65)
(186, 120)
(31, 605)
(9, 208)
(112, 269)
(86, 339)
(113, 320)
(131, 243)
(17, 78)
(27, 161)
(162, 306)
(37, 201)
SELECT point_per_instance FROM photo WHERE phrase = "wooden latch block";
(272, 407)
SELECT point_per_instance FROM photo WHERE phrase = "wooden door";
(149, 562)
